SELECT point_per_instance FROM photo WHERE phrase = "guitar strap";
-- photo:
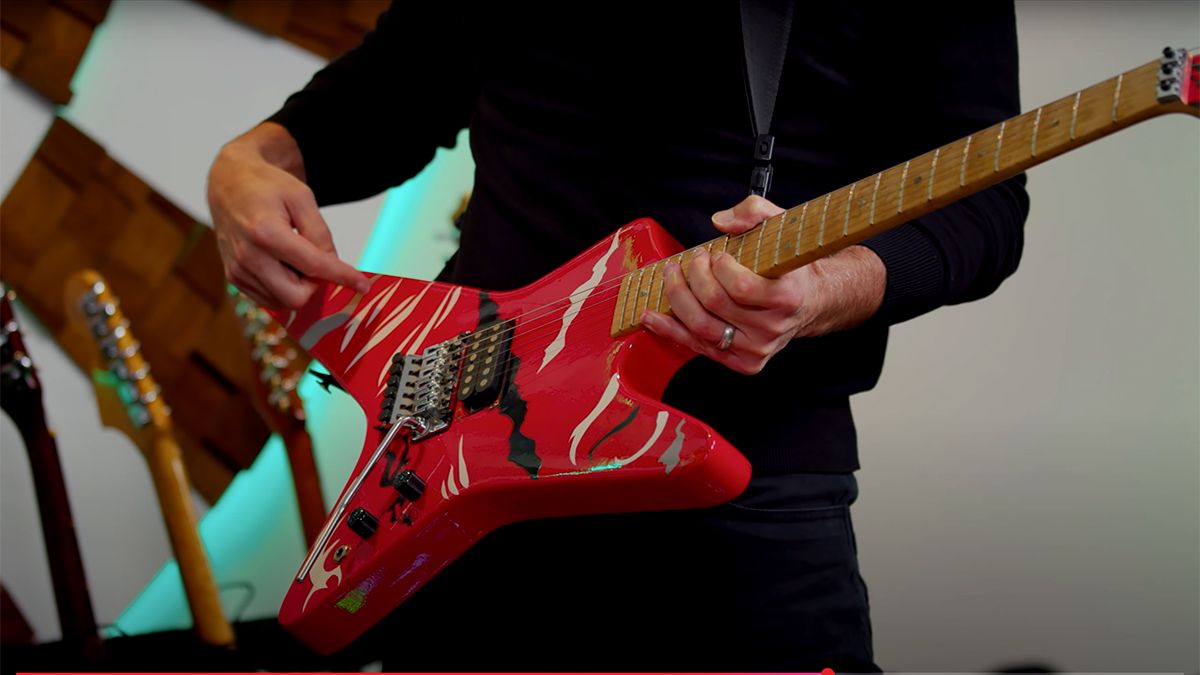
(766, 26)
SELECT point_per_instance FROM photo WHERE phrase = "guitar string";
(893, 188)
(601, 293)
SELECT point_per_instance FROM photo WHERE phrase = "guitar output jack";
(340, 553)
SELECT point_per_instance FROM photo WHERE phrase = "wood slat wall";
(324, 27)
(42, 41)
(75, 207)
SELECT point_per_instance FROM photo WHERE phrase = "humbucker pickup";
(485, 365)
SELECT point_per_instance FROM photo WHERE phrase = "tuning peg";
(108, 346)
(150, 396)
(131, 350)
(139, 416)
(99, 327)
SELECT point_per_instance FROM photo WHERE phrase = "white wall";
(1031, 465)
(1032, 461)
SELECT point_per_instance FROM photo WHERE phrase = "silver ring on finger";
(726, 337)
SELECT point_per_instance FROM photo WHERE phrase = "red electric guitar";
(544, 401)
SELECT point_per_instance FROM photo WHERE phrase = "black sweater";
(585, 117)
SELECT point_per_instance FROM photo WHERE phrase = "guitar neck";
(71, 595)
(306, 481)
(175, 499)
(896, 195)
(22, 400)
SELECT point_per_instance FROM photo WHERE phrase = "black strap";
(766, 25)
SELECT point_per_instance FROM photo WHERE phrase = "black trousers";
(767, 582)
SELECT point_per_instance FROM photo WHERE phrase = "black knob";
(362, 523)
(409, 485)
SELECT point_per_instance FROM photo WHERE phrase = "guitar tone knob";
(409, 485)
(362, 523)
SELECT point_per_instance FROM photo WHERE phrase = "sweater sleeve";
(957, 75)
(374, 117)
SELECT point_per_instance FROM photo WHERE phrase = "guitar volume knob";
(362, 523)
(409, 485)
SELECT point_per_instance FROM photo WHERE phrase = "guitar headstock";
(128, 397)
(1179, 77)
(278, 364)
(18, 377)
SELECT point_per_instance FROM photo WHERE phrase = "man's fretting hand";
(273, 241)
(831, 294)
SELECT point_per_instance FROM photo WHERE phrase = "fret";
(1037, 121)
(932, 169)
(903, 182)
(1075, 112)
(849, 202)
(779, 237)
(660, 271)
(824, 212)
(800, 230)
(623, 301)
(637, 296)
(647, 294)
(999, 141)
(874, 196)
(758, 247)
(1117, 97)
(962, 172)
(741, 245)
(724, 239)
(666, 303)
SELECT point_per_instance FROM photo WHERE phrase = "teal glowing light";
(253, 534)
(604, 467)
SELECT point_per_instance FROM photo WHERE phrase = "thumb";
(749, 212)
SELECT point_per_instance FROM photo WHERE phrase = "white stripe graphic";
(379, 301)
(463, 478)
(577, 435)
(577, 297)
(453, 301)
(429, 324)
(320, 577)
(660, 423)
(382, 333)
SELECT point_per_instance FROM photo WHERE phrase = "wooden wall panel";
(43, 41)
(74, 207)
(324, 27)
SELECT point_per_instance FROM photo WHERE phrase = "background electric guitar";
(129, 400)
(22, 400)
(278, 364)
(544, 401)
